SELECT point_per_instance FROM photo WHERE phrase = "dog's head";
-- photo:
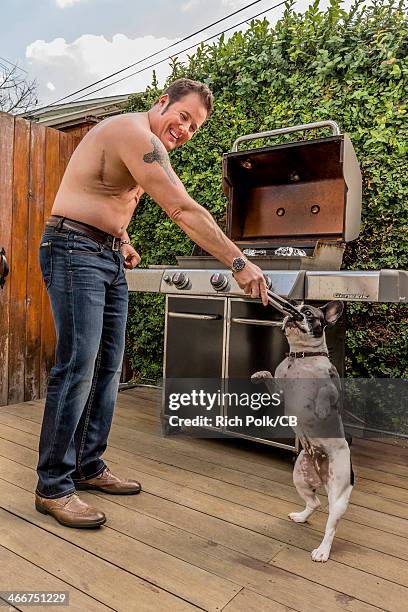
(311, 328)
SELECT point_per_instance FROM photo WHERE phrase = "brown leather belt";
(112, 242)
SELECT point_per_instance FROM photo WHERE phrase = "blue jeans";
(89, 298)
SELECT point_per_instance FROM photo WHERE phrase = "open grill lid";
(294, 194)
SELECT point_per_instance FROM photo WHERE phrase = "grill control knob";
(180, 280)
(268, 281)
(219, 281)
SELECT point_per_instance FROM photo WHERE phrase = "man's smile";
(174, 136)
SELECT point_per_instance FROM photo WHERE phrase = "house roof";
(75, 113)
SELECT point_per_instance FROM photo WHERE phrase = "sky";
(67, 44)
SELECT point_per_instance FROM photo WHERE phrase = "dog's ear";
(332, 311)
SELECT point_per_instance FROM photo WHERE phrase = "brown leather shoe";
(70, 511)
(109, 483)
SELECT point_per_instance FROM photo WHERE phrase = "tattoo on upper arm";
(159, 154)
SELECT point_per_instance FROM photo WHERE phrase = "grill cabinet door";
(256, 342)
(194, 338)
(194, 349)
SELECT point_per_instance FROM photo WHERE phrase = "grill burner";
(290, 252)
(319, 256)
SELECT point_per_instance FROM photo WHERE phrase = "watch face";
(238, 264)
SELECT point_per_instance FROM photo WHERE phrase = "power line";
(156, 53)
(183, 51)
(14, 65)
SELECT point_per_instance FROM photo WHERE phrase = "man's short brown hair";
(182, 87)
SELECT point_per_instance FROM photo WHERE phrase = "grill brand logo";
(351, 296)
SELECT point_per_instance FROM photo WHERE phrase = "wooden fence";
(32, 161)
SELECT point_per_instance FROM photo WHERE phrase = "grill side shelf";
(144, 280)
(358, 286)
(393, 286)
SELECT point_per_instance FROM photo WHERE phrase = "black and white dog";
(312, 392)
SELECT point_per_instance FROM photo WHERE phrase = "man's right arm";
(146, 158)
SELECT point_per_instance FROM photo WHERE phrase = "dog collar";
(302, 354)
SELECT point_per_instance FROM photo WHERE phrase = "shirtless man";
(83, 251)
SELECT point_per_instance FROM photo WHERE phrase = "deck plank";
(249, 601)
(372, 590)
(33, 578)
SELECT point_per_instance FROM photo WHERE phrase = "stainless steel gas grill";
(291, 209)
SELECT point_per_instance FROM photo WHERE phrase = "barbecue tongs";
(283, 306)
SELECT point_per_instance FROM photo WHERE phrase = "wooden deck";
(210, 529)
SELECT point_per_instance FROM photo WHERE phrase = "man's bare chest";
(112, 175)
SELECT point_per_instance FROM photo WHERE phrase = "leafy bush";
(346, 66)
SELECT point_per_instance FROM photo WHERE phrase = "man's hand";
(132, 257)
(252, 281)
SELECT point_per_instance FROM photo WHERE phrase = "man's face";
(177, 123)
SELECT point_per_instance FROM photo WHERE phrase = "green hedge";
(346, 66)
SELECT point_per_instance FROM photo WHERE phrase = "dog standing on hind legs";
(315, 399)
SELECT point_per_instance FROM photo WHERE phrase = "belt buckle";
(115, 243)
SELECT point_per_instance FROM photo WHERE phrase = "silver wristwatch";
(238, 264)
